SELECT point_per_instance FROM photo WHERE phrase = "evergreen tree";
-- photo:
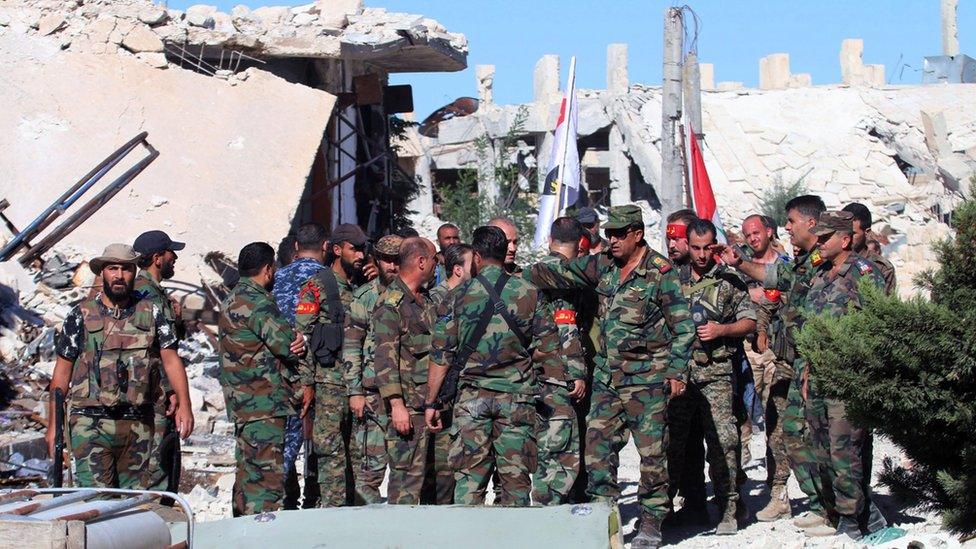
(906, 369)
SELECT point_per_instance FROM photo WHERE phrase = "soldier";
(308, 256)
(512, 237)
(490, 328)
(157, 261)
(836, 290)
(368, 448)
(862, 234)
(458, 264)
(563, 383)
(646, 334)
(323, 304)
(259, 353)
(723, 316)
(448, 235)
(404, 318)
(108, 349)
(591, 223)
(759, 232)
(793, 280)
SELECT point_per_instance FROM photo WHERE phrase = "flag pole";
(570, 99)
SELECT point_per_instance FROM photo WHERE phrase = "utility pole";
(691, 92)
(672, 167)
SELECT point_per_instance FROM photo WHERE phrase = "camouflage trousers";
(493, 430)
(331, 433)
(439, 479)
(773, 379)
(615, 415)
(558, 457)
(799, 446)
(710, 404)
(368, 450)
(838, 444)
(166, 449)
(408, 462)
(259, 484)
(110, 453)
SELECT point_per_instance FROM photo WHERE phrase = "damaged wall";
(234, 156)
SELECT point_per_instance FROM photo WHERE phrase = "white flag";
(562, 185)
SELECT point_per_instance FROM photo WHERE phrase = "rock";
(142, 39)
(201, 16)
(302, 19)
(101, 30)
(156, 60)
(50, 23)
(153, 15)
(270, 16)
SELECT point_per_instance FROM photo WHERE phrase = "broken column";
(774, 72)
(618, 82)
(619, 169)
(950, 35)
(706, 72)
(545, 79)
(485, 75)
(853, 71)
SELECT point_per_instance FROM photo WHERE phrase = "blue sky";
(513, 34)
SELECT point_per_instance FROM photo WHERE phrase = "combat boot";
(847, 526)
(693, 512)
(778, 506)
(876, 521)
(808, 519)
(649, 534)
(821, 530)
(729, 524)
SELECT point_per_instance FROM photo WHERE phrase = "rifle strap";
(701, 286)
(499, 307)
(467, 347)
(327, 280)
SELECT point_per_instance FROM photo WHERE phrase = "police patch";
(307, 308)
(661, 264)
(565, 317)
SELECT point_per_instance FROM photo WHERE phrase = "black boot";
(649, 534)
(848, 526)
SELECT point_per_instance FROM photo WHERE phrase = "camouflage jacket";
(646, 331)
(358, 344)
(115, 357)
(720, 295)
(148, 288)
(886, 269)
(568, 364)
(793, 280)
(499, 361)
(313, 307)
(439, 293)
(257, 368)
(402, 331)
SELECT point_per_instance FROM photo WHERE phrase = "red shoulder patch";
(565, 316)
(307, 308)
(662, 264)
(773, 295)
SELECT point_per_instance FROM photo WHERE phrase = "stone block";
(545, 78)
(874, 75)
(101, 29)
(301, 19)
(774, 71)
(201, 16)
(706, 73)
(153, 59)
(851, 66)
(142, 39)
(802, 80)
(485, 77)
(936, 133)
(618, 80)
(153, 15)
(50, 24)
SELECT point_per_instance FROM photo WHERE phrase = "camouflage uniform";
(368, 441)
(402, 331)
(288, 283)
(332, 426)
(157, 475)
(557, 432)
(439, 486)
(794, 281)
(720, 296)
(646, 334)
(837, 442)
(885, 268)
(258, 373)
(494, 416)
(111, 423)
(776, 382)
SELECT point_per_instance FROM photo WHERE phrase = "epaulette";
(393, 298)
(815, 258)
(863, 266)
(662, 264)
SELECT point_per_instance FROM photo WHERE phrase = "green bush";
(773, 202)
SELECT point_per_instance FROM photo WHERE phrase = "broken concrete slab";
(142, 39)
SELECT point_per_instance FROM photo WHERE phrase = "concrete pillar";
(707, 72)
(545, 79)
(774, 71)
(619, 169)
(423, 202)
(851, 66)
(487, 184)
(485, 76)
(874, 75)
(618, 81)
(950, 34)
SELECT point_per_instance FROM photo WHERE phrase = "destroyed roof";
(326, 29)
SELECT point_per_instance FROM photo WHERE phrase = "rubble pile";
(319, 30)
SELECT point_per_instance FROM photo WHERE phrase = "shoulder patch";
(662, 264)
(863, 266)
(564, 317)
(393, 297)
(307, 308)
(815, 258)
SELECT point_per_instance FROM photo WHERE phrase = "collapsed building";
(907, 152)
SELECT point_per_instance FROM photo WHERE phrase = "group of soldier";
(450, 368)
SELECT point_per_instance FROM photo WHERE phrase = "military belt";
(119, 411)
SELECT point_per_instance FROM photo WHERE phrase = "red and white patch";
(565, 317)
(307, 308)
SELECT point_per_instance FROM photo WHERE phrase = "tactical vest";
(116, 366)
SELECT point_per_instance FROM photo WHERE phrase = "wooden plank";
(52, 534)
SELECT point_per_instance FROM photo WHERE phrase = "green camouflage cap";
(388, 245)
(621, 217)
(832, 221)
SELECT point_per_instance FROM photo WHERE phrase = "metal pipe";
(103, 509)
(43, 505)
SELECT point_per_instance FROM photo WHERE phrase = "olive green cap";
(621, 217)
(832, 221)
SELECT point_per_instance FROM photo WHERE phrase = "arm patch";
(662, 264)
(565, 317)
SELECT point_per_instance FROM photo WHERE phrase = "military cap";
(151, 242)
(623, 216)
(586, 216)
(389, 245)
(114, 254)
(832, 221)
(347, 232)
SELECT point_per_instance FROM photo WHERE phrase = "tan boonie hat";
(389, 245)
(114, 253)
(621, 217)
(832, 221)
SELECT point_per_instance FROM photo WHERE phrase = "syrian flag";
(562, 185)
(704, 198)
